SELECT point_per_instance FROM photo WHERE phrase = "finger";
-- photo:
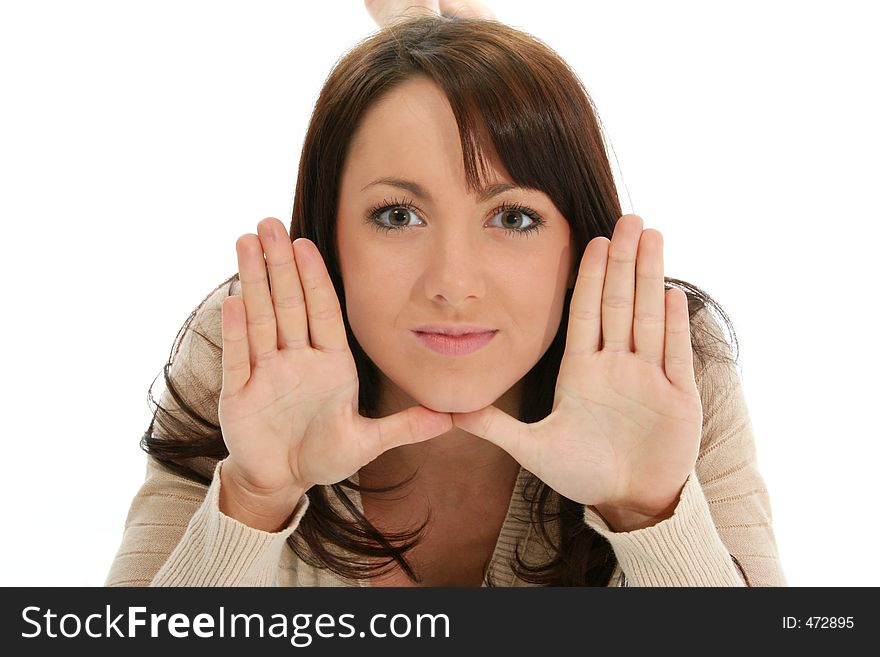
(287, 295)
(261, 333)
(235, 356)
(326, 329)
(413, 425)
(618, 293)
(649, 320)
(506, 432)
(585, 312)
(679, 356)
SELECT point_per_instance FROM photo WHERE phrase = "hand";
(385, 12)
(624, 432)
(289, 399)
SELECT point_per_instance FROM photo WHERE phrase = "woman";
(322, 425)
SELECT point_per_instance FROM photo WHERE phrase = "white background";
(138, 140)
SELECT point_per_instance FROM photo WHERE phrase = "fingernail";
(302, 248)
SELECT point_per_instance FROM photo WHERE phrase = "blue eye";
(395, 215)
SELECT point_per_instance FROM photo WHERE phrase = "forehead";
(416, 109)
(409, 132)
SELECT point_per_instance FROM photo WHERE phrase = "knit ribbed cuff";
(682, 550)
(217, 550)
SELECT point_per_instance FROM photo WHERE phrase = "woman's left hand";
(624, 432)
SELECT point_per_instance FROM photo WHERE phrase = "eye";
(518, 219)
(397, 217)
(392, 215)
(513, 219)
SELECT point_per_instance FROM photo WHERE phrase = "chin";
(455, 402)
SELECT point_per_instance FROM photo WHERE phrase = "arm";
(284, 431)
(175, 530)
(723, 517)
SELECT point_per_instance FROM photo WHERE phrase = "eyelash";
(373, 214)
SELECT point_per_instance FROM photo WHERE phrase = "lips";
(452, 329)
(455, 345)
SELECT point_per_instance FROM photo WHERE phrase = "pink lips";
(455, 345)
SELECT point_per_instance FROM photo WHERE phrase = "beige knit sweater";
(175, 534)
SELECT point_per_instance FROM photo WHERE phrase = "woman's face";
(450, 258)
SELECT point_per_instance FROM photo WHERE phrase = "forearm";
(682, 550)
(218, 550)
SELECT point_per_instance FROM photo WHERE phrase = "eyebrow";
(417, 190)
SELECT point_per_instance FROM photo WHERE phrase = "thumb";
(413, 425)
(499, 428)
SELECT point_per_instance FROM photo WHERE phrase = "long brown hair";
(515, 98)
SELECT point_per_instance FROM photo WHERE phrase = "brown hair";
(513, 97)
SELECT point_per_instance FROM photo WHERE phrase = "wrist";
(627, 518)
(266, 511)
(623, 520)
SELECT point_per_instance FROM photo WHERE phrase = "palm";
(308, 432)
(619, 419)
(625, 425)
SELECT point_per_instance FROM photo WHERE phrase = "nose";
(454, 271)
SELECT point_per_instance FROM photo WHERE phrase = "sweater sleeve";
(720, 533)
(176, 535)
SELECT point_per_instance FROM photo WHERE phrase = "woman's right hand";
(289, 400)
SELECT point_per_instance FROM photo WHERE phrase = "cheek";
(542, 319)
(372, 309)
(375, 294)
(541, 284)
